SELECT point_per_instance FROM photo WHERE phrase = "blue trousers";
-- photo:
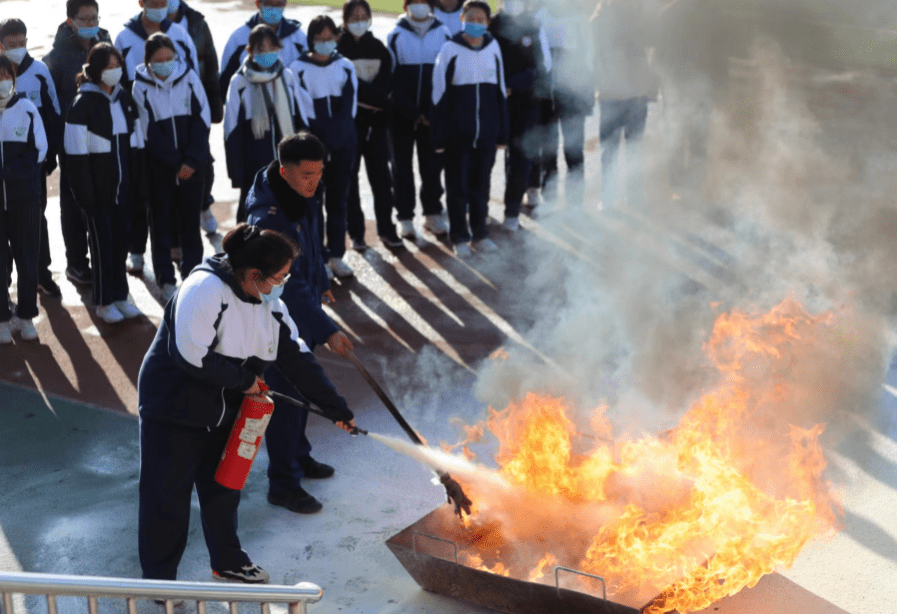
(74, 228)
(108, 231)
(618, 118)
(468, 172)
(174, 458)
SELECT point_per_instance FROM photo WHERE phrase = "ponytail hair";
(249, 247)
(97, 61)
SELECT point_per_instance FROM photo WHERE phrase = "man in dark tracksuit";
(274, 203)
(65, 60)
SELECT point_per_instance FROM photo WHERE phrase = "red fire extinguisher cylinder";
(245, 439)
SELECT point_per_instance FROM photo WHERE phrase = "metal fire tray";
(432, 560)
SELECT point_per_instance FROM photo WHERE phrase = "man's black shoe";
(46, 285)
(81, 277)
(297, 501)
(316, 471)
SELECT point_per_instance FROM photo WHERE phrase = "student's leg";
(376, 163)
(162, 191)
(117, 273)
(337, 172)
(190, 198)
(457, 196)
(74, 229)
(241, 204)
(517, 164)
(24, 240)
(354, 214)
(139, 223)
(611, 128)
(5, 258)
(402, 165)
(285, 439)
(429, 164)
(573, 126)
(634, 129)
(548, 162)
(218, 505)
(481, 161)
(169, 457)
(44, 261)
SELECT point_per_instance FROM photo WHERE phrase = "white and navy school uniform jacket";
(23, 147)
(35, 82)
(291, 36)
(131, 43)
(213, 342)
(469, 97)
(451, 21)
(413, 57)
(174, 117)
(102, 144)
(328, 98)
(246, 154)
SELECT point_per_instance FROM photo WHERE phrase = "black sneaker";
(248, 574)
(317, 471)
(297, 501)
(80, 277)
(46, 285)
(392, 240)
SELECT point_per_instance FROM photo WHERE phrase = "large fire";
(732, 493)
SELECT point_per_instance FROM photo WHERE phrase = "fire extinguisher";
(245, 439)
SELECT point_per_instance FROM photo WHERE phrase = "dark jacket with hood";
(206, 59)
(373, 67)
(524, 51)
(65, 61)
(213, 342)
(274, 205)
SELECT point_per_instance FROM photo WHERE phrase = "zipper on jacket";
(420, 71)
(476, 136)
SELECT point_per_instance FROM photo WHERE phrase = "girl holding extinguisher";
(224, 326)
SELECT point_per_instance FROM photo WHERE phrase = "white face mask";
(6, 89)
(419, 10)
(16, 55)
(112, 76)
(359, 28)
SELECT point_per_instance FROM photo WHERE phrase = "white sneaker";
(533, 199)
(110, 314)
(436, 224)
(511, 224)
(207, 221)
(5, 333)
(486, 245)
(340, 268)
(462, 250)
(128, 309)
(135, 263)
(26, 330)
(406, 229)
(168, 291)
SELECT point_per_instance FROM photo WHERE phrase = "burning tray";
(432, 560)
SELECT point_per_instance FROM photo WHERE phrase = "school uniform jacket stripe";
(327, 96)
(23, 147)
(412, 59)
(289, 31)
(34, 80)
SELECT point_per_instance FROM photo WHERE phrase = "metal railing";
(297, 597)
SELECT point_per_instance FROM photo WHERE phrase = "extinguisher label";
(254, 428)
(246, 450)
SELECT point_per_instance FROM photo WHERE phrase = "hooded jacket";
(273, 204)
(23, 147)
(413, 57)
(327, 98)
(213, 342)
(289, 31)
(173, 117)
(206, 58)
(373, 69)
(65, 61)
(34, 81)
(524, 50)
(469, 97)
(131, 43)
(103, 149)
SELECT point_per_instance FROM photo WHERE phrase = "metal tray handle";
(557, 582)
(414, 535)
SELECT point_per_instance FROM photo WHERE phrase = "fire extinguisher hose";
(282, 397)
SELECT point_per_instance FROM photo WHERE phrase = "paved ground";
(426, 324)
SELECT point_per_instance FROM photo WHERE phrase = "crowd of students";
(129, 121)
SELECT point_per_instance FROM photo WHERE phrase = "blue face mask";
(272, 15)
(156, 15)
(270, 297)
(163, 69)
(266, 60)
(173, 6)
(88, 33)
(474, 30)
(326, 48)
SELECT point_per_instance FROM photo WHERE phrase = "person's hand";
(501, 146)
(339, 344)
(439, 151)
(424, 121)
(254, 389)
(327, 297)
(347, 426)
(186, 172)
(508, 91)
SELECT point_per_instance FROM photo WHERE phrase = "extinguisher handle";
(282, 397)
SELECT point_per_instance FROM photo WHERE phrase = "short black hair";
(301, 146)
(73, 6)
(157, 41)
(318, 25)
(261, 33)
(350, 6)
(6, 64)
(477, 4)
(12, 26)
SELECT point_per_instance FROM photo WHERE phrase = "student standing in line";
(449, 13)
(527, 59)
(470, 119)
(104, 152)
(261, 110)
(327, 88)
(174, 122)
(207, 67)
(414, 44)
(289, 33)
(23, 146)
(373, 65)
(33, 81)
(74, 38)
